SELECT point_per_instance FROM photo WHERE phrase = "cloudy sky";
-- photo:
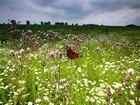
(107, 12)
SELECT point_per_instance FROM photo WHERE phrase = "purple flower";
(52, 54)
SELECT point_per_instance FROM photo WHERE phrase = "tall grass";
(104, 74)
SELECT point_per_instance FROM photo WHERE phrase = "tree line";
(14, 22)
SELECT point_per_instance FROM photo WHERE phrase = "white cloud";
(121, 17)
(111, 12)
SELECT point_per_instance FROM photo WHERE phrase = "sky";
(102, 12)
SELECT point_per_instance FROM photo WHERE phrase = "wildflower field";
(35, 68)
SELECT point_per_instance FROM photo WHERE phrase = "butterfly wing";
(71, 54)
(75, 55)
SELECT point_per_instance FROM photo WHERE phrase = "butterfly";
(71, 54)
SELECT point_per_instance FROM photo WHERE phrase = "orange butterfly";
(71, 54)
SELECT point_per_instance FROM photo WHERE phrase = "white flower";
(100, 93)
(45, 70)
(1, 103)
(21, 51)
(132, 102)
(87, 98)
(130, 71)
(38, 100)
(20, 90)
(51, 103)
(1, 87)
(131, 92)
(6, 87)
(21, 82)
(98, 102)
(46, 98)
(1, 79)
(79, 69)
(11, 52)
(30, 103)
(16, 53)
(92, 100)
(86, 82)
(9, 63)
(28, 49)
(117, 85)
(15, 93)
(31, 56)
(13, 78)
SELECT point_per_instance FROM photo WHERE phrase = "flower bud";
(138, 83)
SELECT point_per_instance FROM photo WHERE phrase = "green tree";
(42, 23)
(28, 22)
(13, 22)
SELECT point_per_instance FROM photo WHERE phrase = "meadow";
(35, 69)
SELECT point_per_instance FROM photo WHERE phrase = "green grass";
(106, 58)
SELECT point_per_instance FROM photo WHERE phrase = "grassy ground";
(33, 72)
